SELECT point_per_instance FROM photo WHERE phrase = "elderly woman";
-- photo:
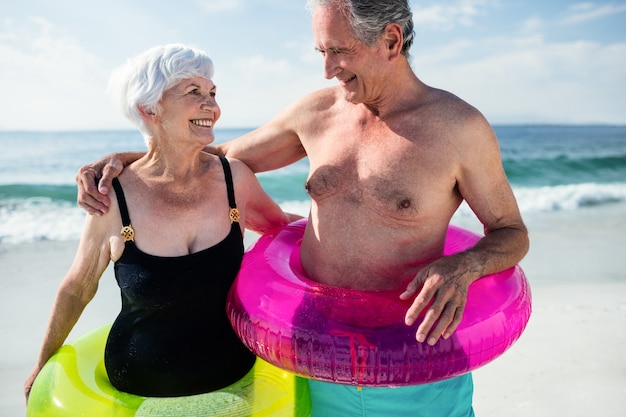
(175, 235)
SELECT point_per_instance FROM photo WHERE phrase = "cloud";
(527, 79)
(254, 89)
(445, 17)
(212, 6)
(583, 12)
(54, 70)
(532, 25)
(48, 80)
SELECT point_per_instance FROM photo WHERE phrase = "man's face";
(354, 64)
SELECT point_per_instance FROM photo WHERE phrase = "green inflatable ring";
(74, 383)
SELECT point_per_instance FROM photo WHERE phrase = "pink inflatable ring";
(359, 338)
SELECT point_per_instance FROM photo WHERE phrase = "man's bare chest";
(398, 171)
(387, 183)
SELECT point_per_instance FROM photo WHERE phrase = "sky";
(517, 61)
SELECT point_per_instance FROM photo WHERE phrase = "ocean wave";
(28, 192)
(562, 169)
(38, 219)
(562, 197)
(24, 220)
(569, 197)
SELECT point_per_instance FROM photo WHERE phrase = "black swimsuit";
(172, 336)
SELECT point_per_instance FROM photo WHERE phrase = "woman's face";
(190, 108)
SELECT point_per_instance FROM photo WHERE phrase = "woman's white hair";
(141, 81)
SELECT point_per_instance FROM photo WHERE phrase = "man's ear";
(393, 39)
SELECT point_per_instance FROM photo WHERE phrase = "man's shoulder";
(316, 102)
(323, 97)
(443, 98)
(453, 108)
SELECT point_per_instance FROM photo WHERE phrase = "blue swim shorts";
(449, 398)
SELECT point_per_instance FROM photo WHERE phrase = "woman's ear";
(146, 115)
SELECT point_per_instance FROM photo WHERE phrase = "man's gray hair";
(368, 18)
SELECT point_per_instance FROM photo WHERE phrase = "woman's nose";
(208, 103)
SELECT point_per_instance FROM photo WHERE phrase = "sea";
(551, 169)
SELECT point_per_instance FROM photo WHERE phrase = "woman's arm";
(260, 213)
(75, 291)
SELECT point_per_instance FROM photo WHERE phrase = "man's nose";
(331, 67)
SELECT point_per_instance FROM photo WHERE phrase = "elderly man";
(391, 159)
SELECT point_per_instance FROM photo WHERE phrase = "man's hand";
(441, 287)
(94, 183)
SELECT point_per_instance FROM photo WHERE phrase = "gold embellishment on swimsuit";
(128, 234)
(234, 215)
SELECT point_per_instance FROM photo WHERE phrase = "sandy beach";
(569, 362)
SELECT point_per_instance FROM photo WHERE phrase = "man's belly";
(363, 262)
